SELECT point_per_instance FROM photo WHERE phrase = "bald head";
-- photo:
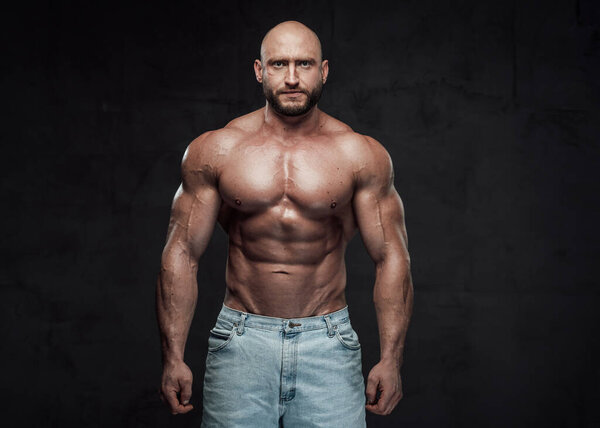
(290, 35)
(291, 68)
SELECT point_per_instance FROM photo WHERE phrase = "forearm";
(393, 299)
(176, 296)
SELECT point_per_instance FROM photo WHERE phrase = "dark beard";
(295, 110)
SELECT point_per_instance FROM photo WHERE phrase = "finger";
(374, 408)
(382, 406)
(185, 409)
(186, 392)
(171, 397)
(388, 404)
(395, 401)
(384, 398)
(371, 390)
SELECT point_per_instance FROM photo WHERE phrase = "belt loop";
(240, 327)
(330, 328)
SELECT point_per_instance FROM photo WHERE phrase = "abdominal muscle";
(285, 270)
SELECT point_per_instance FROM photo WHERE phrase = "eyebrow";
(309, 60)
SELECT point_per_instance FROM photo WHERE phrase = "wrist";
(394, 358)
(172, 359)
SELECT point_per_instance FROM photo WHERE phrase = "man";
(290, 185)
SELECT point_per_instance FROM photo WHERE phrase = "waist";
(275, 323)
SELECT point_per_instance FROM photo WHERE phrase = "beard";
(296, 109)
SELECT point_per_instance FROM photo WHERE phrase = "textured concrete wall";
(489, 109)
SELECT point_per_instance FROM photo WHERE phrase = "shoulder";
(221, 141)
(213, 146)
(208, 147)
(205, 156)
(365, 153)
(373, 153)
(371, 162)
(362, 150)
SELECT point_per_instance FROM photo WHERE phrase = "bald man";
(290, 185)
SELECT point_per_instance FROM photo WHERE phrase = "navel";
(333, 204)
(238, 202)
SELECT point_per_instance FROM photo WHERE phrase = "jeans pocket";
(221, 335)
(347, 336)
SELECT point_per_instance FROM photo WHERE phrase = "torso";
(287, 208)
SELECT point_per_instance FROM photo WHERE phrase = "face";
(291, 99)
(291, 72)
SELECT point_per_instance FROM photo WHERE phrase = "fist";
(176, 387)
(383, 380)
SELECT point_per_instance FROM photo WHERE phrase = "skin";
(290, 191)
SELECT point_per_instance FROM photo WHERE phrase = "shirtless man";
(290, 185)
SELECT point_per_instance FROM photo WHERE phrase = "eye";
(277, 64)
(305, 64)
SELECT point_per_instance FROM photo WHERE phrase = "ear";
(324, 70)
(258, 70)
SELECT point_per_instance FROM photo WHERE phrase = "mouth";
(292, 94)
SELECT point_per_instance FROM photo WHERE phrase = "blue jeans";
(273, 372)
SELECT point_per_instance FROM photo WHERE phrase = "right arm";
(193, 217)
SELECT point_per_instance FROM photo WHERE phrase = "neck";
(292, 125)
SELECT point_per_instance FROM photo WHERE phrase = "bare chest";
(315, 179)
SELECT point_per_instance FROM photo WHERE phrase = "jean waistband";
(297, 324)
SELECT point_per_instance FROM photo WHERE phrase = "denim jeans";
(272, 372)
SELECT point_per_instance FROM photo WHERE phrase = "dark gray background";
(489, 109)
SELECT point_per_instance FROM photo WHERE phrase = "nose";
(291, 79)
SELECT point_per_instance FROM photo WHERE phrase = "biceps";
(380, 220)
(193, 218)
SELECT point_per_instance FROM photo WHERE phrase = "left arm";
(380, 217)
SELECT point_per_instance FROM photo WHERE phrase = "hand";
(385, 378)
(176, 387)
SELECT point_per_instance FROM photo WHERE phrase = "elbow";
(177, 257)
(394, 261)
(393, 279)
